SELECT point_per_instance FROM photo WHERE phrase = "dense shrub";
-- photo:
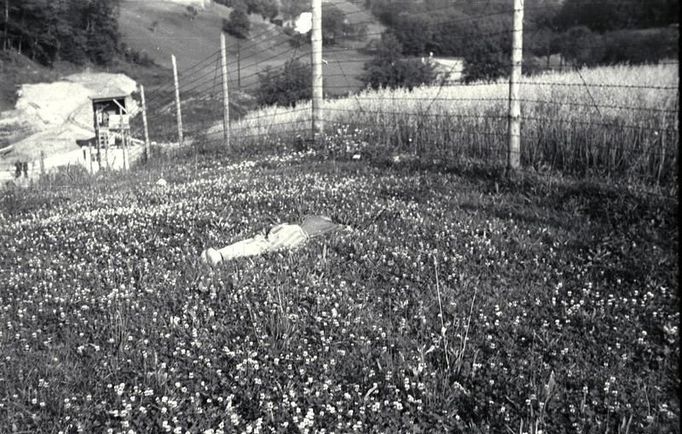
(389, 69)
(335, 26)
(137, 57)
(610, 15)
(582, 47)
(285, 86)
(238, 25)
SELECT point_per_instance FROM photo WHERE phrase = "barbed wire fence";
(562, 118)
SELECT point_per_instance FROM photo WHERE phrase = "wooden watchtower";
(112, 123)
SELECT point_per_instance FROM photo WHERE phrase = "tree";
(265, 8)
(334, 24)
(101, 19)
(580, 46)
(72, 30)
(607, 15)
(389, 69)
(415, 33)
(293, 8)
(285, 86)
(238, 25)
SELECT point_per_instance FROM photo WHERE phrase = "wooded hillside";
(582, 32)
(77, 31)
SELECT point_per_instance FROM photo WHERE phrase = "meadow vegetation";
(618, 121)
(458, 301)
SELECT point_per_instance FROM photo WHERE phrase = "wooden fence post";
(90, 157)
(316, 40)
(124, 145)
(226, 98)
(514, 151)
(97, 140)
(147, 155)
(181, 140)
(106, 149)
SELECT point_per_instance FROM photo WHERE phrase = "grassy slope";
(195, 40)
(558, 303)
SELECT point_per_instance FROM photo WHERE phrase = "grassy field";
(459, 301)
(619, 121)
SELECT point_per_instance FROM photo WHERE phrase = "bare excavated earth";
(50, 117)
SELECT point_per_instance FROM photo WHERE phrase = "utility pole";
(514, 151)
(145, 124)
(178, 109)
(226, 99)
(316, 40)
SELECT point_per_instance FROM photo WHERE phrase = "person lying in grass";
(282, 236)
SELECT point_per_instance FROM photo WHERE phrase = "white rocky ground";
(50, 117)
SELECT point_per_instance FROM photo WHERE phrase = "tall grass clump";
(616, 121)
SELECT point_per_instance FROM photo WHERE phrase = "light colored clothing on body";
(282, 236)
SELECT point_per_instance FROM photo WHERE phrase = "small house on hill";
(448, 70)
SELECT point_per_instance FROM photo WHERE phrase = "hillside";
(164, 28)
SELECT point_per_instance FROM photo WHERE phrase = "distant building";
(448, 69)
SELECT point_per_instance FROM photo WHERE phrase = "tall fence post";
(145, 124)
(316, 40)
(514, 151)
(178, 109)
(226, 98)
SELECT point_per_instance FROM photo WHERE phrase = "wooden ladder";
(103, 139)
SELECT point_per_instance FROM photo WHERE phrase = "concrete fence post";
(147, 154)
(178, 108)
(514, 151)
(317, 83)
(226, 98)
